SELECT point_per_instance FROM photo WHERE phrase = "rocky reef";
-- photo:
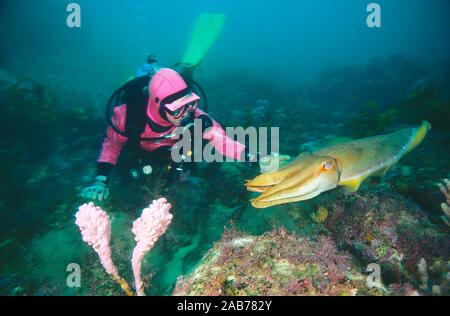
(394, 233)
(361, 230)
(275, 263)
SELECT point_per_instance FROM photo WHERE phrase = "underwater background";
(313, 68)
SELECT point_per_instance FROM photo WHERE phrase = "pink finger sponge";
(147, 229)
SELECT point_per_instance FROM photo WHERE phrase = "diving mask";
(191, 106)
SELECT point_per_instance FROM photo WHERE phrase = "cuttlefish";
(342, 164)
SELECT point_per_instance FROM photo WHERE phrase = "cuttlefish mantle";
(345, 164)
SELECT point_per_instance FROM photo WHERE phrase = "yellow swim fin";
(205, 33)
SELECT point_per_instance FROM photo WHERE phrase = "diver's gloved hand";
(272, 162)
(267, 163)
(98, 191)
(251, 160)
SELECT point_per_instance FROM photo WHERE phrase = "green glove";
(98, 191)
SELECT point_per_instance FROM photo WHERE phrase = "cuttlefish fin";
(383, 171)
(352, 185)
(420, 134)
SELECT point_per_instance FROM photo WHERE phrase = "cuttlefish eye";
(328, 165)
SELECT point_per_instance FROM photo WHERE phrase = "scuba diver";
(170, 103)
(147, 110)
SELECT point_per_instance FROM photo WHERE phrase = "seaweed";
(426, 103)
(369, 120)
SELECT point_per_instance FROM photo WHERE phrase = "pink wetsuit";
(164, 83)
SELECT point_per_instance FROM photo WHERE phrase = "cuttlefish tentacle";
(265, 181)
(346, 164)
(321, 174)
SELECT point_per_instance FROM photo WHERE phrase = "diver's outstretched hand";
(98, 190)
(273, 162)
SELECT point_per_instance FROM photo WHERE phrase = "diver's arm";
(216, 136)
(110, 152)
(104, 168)
(111, 148)
(113, 143)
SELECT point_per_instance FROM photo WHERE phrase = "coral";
(422, 269)
(445, 189)
(95, 227)
(437, 289)
(320, 216)
(275, 263)
(148, 228)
